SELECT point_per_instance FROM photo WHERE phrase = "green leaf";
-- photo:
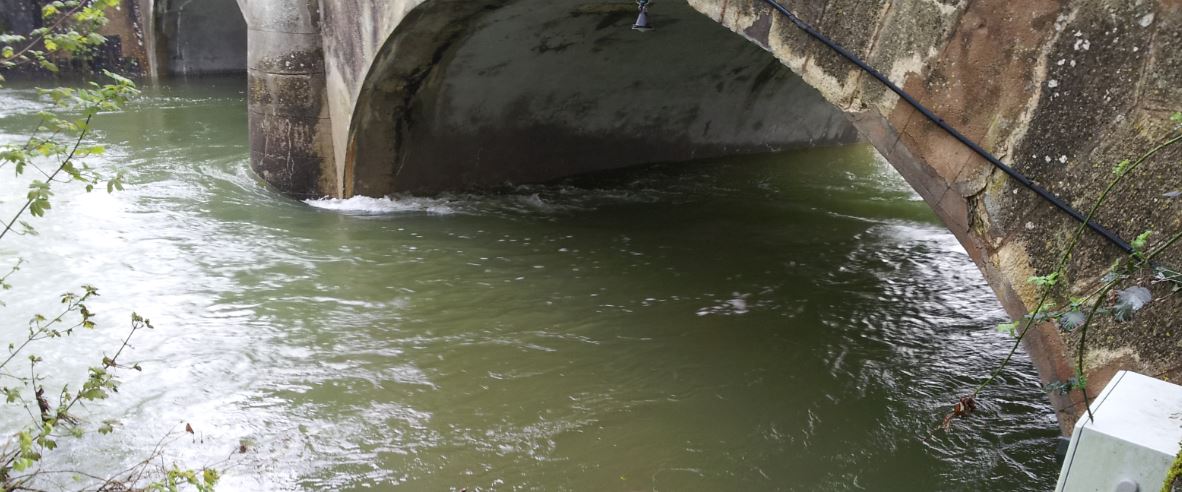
(1139, 243)
(1010, 328)
(93, 394)
(107, 427)
(1120, 167)
(1176, 117)
(22, 464)
(27, 229)
(1045, 280)
(210, 477)
(1080, 381)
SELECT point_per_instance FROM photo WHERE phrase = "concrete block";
(1132, 440)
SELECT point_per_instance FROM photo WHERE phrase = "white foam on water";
(17, 102)
(384, 205)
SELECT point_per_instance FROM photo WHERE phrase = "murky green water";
(787, 322)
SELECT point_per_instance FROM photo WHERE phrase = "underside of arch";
(475, 94)
(198, 37)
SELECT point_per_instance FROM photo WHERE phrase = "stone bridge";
(379, 96)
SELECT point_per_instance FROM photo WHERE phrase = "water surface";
(796, 321)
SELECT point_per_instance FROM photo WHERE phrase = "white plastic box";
(1132, 441)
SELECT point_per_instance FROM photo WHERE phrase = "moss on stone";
(1173, 482)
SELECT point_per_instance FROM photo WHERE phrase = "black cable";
(1013, 173)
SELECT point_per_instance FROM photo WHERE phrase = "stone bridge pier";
(290, 126)
(374, 97)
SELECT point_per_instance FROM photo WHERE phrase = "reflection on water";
(784, 322)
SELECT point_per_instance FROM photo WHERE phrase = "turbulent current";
(797, 321)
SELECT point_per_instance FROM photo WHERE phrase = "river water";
(785, 322)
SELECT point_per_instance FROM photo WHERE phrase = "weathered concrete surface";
(350, 48)
(289, 125)
(195, 37)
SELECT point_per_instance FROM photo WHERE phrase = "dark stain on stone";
(602, 43)
(765, 75)
(544, 46)
(613, 19)
(1043, 22)
(284, 154)
(493, 70)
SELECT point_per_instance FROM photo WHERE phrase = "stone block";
(284, 53)
(298, 96)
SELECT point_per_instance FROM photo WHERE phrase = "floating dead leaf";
(962, 409)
